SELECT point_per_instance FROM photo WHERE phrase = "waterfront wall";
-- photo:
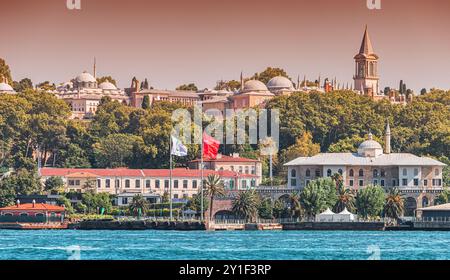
(377, 226)
(138, 225)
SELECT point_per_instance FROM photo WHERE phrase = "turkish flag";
(210, 147)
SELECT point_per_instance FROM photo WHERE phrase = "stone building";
(418, 178)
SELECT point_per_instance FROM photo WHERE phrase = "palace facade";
(418, 178)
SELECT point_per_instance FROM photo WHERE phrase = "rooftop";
(34, 207)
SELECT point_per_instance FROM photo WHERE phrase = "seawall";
(137, 225)
(358, 226)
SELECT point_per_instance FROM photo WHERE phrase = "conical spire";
(366, 45)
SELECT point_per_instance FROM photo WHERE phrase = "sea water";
(223, 245)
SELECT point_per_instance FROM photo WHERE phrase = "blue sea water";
(231, 245)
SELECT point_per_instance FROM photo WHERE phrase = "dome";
(370, 148)
(5, 87)
(279, 83)
(254, 85)
(85, 77)
(107, 86)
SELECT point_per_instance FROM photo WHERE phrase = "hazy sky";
(181, 41)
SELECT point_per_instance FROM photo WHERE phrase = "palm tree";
(394, 206)
(246, 205)
(346, 199)
(139, 203)
(296, 207)
(213, 187)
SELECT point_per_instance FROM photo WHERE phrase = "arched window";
(340, 172)
(383, 173)
(375, 173)
(24, 215)
(361, 173)
(351, 173)
(329, 172)
(425, 201)
(293, 173)
(436, 172)
(308, 173)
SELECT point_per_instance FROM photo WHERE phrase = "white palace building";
(418, 178)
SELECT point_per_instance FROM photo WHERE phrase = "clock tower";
(366, 68)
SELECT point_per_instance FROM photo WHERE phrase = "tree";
(265, 209)
(269, 73)
(394, 207)
(5, 72)
(46, 86)
(346, 199)
(295, 205)
(188, 87)
(54, 185)
(443, 198)
(64, 201)
(195, 203)
(423, 91)
(245, 205)
(146, 102)
(317, 196)
(232, 85)
(96, 201)
(304, 147)
(370, 202)
(23, 85)
(138, 205)
(106, 79)
(213, 188)
(116, 150)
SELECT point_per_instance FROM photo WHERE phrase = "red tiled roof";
(36, 207)
(124, 172)
(225, 158)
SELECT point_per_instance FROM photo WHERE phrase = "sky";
(173, 42)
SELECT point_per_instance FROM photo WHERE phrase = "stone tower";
(366, 68)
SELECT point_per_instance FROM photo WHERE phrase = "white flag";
(178, 149)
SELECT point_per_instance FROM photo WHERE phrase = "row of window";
(241, 169)
(382, 182)
(351, 173)
(147, 183)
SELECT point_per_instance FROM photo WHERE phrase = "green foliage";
(116, 150)
(95, 201)
(269, 73)
(139, 205)
(245, 205)
(106, 79)
(23, 85)
(318, 196)
(64, 201)
(265, 209)
(443, 198)
(394, 206)
(194, 203)
(146, 102)
(5, 72)
(54, 185)
(213, 188)
(189, 87)
(370, 202)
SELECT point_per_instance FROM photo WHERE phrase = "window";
(157, 184)
(253, 183)
(329, 172)
(185, 184)
(416, 172)
(127, 184)
(351, 173)
(293, 173)
(23, 215)
(293, 182)
(124, 200)
(317, 173)
(244, 184)
(439, 182)
(351, 183)
(436, 172)
(147, 184)
(361, 183)
(246, 170)
(361, 173)
(71, 183)
(383, 173)
(405, 182)
(424, 201)
(77, 182)
(375, 173)
(382, 183)
(117, 184)
(405, 172)
(375, 182)
(240, 169)
(175, 196)
(394, 183)
(231, 184)
(425, 182)
(138, 184)
(194, 184)
(416, 182)
(253, 170)
(166, 184)
(340, 172)
(175, 184)
(108, 183)
(308, 173)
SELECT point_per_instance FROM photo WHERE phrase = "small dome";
(254, 85)
(280, 83)
(107, 86)
(6, 87)
(86, 78)
(370, 144)
(370, 148)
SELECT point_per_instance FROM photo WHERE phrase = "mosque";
(5, 87)
(83, 94)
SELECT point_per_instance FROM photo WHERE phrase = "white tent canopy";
(344, 216)
(326, 216)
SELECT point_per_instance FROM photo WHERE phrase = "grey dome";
(280, 83)
(254, 85)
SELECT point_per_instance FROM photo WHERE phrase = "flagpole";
(201, 172)
(170, 189)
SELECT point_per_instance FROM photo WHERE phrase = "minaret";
(242, 81)
(387, 140)
(304, 82)
(366, 66)
(298, 82)
(95, 67)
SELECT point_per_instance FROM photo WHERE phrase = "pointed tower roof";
(366, 45)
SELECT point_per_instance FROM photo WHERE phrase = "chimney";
(34, 203)
(17, 203)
